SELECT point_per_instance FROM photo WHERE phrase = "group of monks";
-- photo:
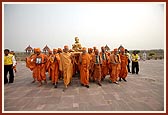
(91, 64)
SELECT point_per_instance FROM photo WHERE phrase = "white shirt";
(14, 60)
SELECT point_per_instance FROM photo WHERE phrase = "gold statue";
(77, 46)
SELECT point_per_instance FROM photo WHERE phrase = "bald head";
(103, 49)
(66, 49)
(96, 51)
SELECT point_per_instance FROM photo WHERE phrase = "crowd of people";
(91, 64)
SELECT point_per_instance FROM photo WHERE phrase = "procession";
(142, 91)
(90, 64)
(92, 57)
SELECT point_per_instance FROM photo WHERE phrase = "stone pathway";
(143, 92)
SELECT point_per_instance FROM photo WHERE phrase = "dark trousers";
(135, 66)
(8, 68)
(128, 66)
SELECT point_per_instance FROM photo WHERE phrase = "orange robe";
(91, 66)
(105, 62)
(60, 73)
(115, 66)
(84, 68)
(29, 61)
(66, 66)
(48, 68)
(75, 62)
(124, 63)
(54, 68)
(31, 64)
(109, 64)
(118, 65)
(97, 68)
(40, 68)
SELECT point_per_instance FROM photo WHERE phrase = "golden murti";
(76, 46)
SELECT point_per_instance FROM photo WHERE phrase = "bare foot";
(45, 81)
(65, 88)
(33, 81)
(40, 84)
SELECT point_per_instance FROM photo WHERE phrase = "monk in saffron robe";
(66, 66)
(94, 49)
(60, 74)
(91, 65)
(76, 65)
(105, 62)
(31, 65)
(84, 61)
(124, 62)
(54, 64)
(109, 64)
(114, 62)
(48, 68)
(118, 65)
(40, 61)
(97, 67)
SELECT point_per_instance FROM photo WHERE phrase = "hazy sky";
(134, 25)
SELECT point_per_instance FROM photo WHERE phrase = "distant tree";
(137, 51)
(151, 54)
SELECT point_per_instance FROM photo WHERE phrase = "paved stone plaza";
(143, 92)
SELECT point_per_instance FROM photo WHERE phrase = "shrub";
(155, 58)
(148, 58)
(160, 57)
(151, 54)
